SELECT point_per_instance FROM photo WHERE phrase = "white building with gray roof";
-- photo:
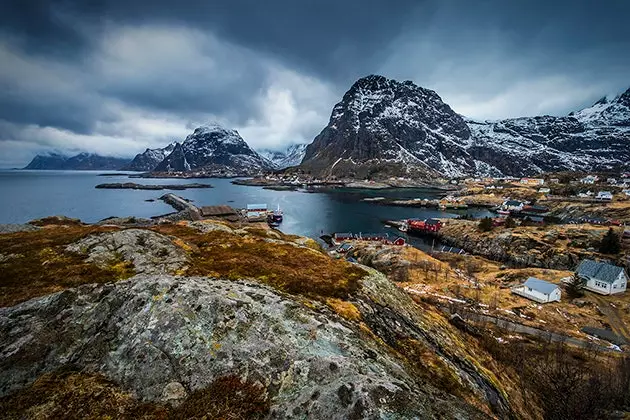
(601, 277)
(538, 290)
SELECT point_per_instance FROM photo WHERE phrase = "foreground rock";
(150, 252)
(12, 228)
(163, 337)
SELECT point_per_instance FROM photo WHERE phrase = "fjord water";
(28, 195)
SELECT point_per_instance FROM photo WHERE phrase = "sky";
(115, 77)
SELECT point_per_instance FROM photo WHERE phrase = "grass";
(295, 270)
(228, 397)
(69, 393)
(36, 264)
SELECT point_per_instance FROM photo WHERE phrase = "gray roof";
(513, 203)
(541, 286)
(599, 270)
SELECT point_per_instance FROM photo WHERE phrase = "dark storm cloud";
(136, 70)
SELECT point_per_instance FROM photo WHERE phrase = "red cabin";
(428, 225)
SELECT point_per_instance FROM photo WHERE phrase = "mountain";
(383, 128)
(212, 148)
(82, 161)
(593, 139)
(149, 159)
(292, 156)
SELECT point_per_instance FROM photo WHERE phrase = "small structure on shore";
(538, 290)
(601, 277)
(256, 211)
(224, 212)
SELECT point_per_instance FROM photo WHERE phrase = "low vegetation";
(71, 394)
(565, 382)
(35, 263)
(287, 267)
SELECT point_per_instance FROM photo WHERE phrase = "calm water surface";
(28, 195)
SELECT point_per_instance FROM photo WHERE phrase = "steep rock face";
(149, 159)
(382, 125)
(82, 161)
(151, 332)
(292, 156)
(214, 148)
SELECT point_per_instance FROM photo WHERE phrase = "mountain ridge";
(81, 161)
(383, 127)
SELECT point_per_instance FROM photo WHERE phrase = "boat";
(276, 216)
(504, 212)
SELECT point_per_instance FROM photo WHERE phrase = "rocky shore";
(157, 187)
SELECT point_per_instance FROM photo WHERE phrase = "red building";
(428, 225)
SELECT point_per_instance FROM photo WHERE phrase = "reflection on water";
(29, 195)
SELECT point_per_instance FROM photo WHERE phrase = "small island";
(157, 187)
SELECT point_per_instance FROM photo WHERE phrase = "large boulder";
(153, 333)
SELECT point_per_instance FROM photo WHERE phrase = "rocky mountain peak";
(399, 127)
(212, 147)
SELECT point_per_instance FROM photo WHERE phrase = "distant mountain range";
(383, 127)
(82, 161)
(149, 159)
(292, 156)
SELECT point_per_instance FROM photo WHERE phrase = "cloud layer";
(115, 77)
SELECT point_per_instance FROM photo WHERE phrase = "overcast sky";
(114, 77)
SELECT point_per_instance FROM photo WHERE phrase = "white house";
(602, 278)
(513, 205)
(590, 179)
(544, 190)
(538, 290)
(604, 195)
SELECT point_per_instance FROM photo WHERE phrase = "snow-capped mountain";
(149, 159)
(214, 149)
(383, 127)
(292, 156)
(82, 161)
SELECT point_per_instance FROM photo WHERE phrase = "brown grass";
(295, 270)
(39, 265)
(344, 308)
(69, 394)
(227, 398)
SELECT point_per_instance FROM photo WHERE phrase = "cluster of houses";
(599, 277)
(601, 195)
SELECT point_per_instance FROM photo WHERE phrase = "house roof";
(513, 203)
(256, 206)
(217, 210)
(541, 286)
(599, 270)
(432, 222)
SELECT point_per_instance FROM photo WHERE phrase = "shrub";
(510, 222)
(485, 224)
(610, 243)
